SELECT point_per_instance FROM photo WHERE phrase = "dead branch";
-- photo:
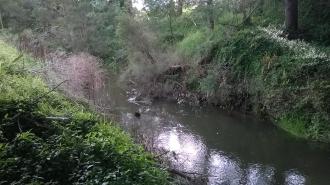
(185, 174)
(251, 13)
(52, 90)
(17, 58)
(181, 174)
(19, 126)
(160, 155)
(131, 81)
(58, 118)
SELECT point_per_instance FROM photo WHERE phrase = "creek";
(224, 148)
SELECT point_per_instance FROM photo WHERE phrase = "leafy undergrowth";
(288, 81)
(48, 139)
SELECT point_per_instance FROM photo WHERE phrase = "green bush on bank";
(83, 149)
(191, 43)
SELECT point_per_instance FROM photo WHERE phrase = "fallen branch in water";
(186, 174)
(181, 174)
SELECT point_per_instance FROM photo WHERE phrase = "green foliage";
(229, 18)
(192, 81)
(292, 77)
(82, 149)
(209, 84)
(191, 44)
(251, 66)
(294, 124)
(77, 26)
(313, 18)
(276, 77)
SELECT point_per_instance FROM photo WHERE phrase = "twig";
(53, 89)
(58, 118)
(160, 155)
(17, 58)
(185, 174)
(19, 126)
(181, 174)
(246, 18)
(16, 115)
(39, 98)
(232, 25)
(251, 12)
(104, 108)
(177, 83)
(134, 83)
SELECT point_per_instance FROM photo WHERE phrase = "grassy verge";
(48, 139)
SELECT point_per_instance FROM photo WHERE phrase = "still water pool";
(224, 148)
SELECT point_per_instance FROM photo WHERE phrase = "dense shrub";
(191, 44)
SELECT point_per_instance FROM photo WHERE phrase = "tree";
(126, 5)
(291, 16)
(170, 14)
(210, 14)
(1, 23)
(180, 7)
(245, 6)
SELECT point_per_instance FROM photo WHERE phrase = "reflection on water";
(293, 177)
(223, 170)
(258, 174)
(223, 149)
(188, 152)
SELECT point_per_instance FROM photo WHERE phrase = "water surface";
(222, 148)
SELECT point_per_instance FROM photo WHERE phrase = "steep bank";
(255, 70)
(46, 138)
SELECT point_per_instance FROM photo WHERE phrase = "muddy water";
(220, 148)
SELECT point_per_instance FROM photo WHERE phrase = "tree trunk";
(291, 16)
(180, 7)
(262, 6)
(122, 3)
(171, 14)
(1, 23)
(129, 7)
(246, 17)
(211, 16)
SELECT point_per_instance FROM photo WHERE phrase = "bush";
(191, 44)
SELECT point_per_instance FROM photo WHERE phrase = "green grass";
(295, 125)
(83, 149)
